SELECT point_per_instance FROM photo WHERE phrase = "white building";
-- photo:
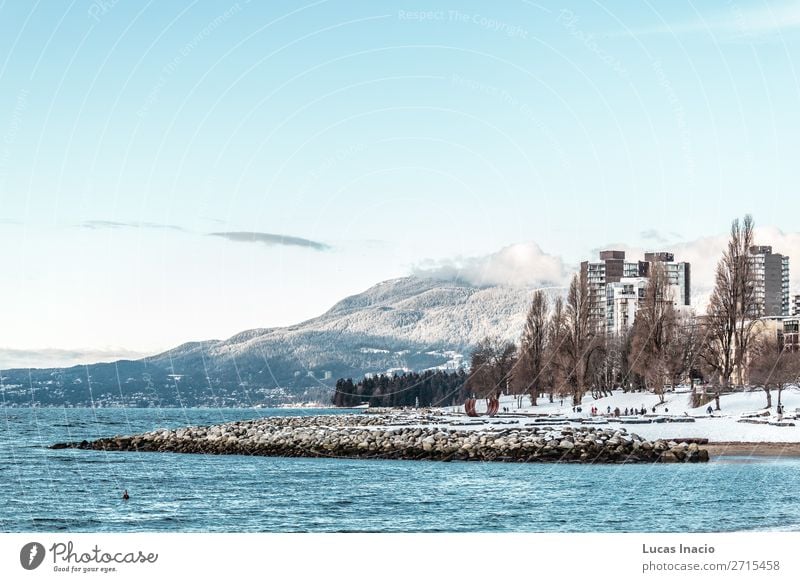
(622, 302)
(608, 295)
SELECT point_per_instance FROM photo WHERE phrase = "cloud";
(101, 224)
(526, 265)
(11, 358)
(236, 236)
(520, 265)
(272, 239)
(704, 254)
(654, 235)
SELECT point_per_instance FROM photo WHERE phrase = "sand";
(755, 449)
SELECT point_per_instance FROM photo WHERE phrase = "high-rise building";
(615, 284)
(678, 275)
(771, 278)
(609, 269)
(795, 305)
(622, 302)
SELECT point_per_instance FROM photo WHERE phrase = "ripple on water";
(74, 490)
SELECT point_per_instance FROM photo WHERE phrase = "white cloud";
(523, 265)
(704, 254)
(526, 265)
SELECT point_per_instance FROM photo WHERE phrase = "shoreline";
(754, 449)
(424, 436)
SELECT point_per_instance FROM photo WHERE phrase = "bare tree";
(772, 367)
(491, 367)
(579, 342)
(655, 333)
(746, 316)
(629, 378)
(730, 317)
(529, 377)
(685, 357)
(685, 361)
(606, 364)
(555, 367)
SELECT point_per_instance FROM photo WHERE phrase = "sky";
(187, 170)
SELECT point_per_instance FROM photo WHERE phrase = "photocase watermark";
(679, 114)
(67, 558)
(99, 8)
(10, 136)
(169, 69)
(329, 163)
(481, 20)
(741, 20)
(31, 555)
(524, 109)
(569, 20)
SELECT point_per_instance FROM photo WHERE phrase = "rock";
(669, 457)
(359, 436)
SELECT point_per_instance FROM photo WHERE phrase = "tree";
(529, 377)
(772, 367)
(555, 368)
(655, 333)
(491, 366)
(687, 348)
(606, 365)
(579, 341)
(428, 388)
(731, 313)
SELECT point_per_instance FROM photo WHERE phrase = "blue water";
(79, 491)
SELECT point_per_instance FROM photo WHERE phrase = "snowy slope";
(410, 323)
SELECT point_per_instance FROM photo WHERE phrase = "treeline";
(429, 388)
(565, 352)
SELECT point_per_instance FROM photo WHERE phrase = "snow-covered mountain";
(409, 323)
(413, 323)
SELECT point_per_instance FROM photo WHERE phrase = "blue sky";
(379, 136)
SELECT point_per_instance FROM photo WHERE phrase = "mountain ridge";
(410, 323)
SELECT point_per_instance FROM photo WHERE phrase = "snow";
(381, 328)
(721, 426)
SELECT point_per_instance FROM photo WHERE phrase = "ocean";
(70, 490)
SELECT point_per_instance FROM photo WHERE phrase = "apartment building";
(771, 277)
(616, 285)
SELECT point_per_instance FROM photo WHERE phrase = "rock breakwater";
(396, 437)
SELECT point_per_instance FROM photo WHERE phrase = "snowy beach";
(742, 417)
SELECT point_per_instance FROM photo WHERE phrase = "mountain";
(411, 323)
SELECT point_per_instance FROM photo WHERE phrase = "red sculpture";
(492, 406)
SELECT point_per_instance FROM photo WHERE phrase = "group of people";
(616, 412)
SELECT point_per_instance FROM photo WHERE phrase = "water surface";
(79, 491)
